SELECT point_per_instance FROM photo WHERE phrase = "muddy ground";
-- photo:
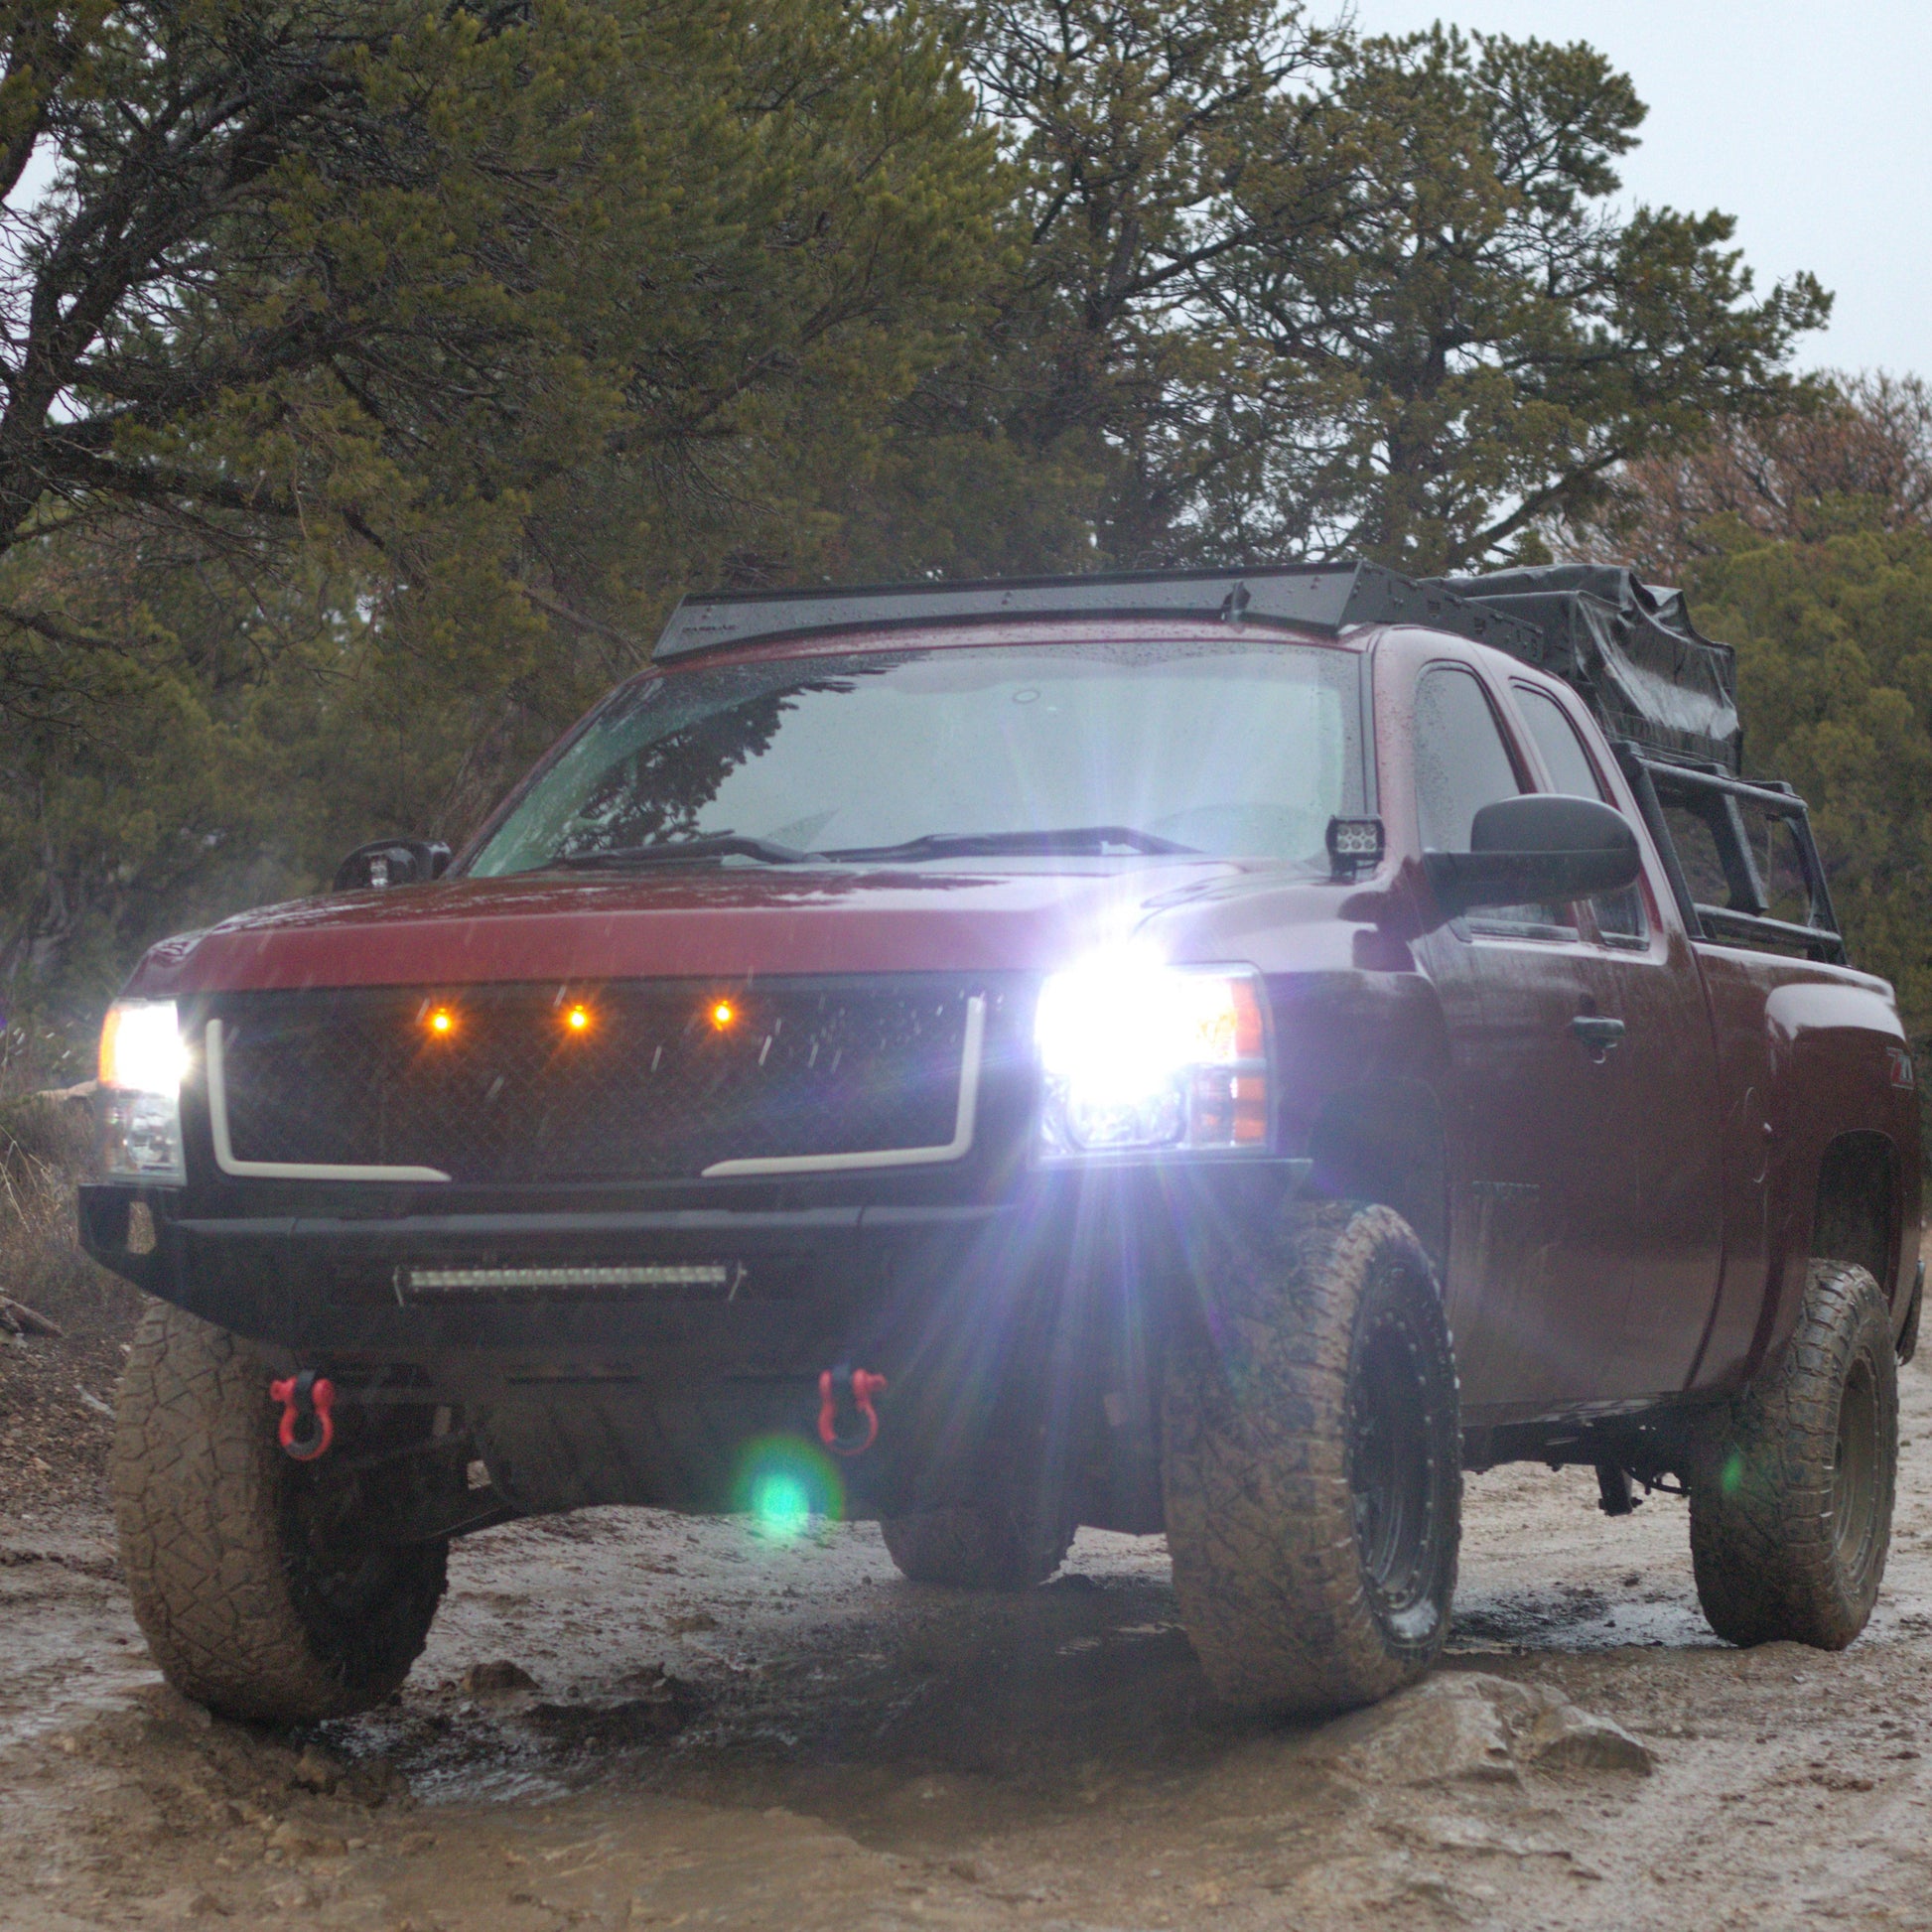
(625, 1719)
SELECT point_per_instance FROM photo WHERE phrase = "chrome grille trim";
(965, 1120)
(225, 1154)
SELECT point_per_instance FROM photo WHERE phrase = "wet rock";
(667, 1706)
(1444, 1730)
(297, 1837)
(1466, 1727)
(372, 1783)
(1561, 1738)
(317, 1770)
(494, 1679)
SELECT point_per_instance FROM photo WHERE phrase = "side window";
(1620, 916)
(1461, 762)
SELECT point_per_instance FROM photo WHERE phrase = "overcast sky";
(1811, 123)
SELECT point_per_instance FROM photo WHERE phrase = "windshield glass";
(1242, 750)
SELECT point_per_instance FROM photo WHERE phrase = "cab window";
(1462, 764)
(1620, 916)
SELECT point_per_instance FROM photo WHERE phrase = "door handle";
(1600, 1035)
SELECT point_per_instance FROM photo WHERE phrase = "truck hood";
(732, 923)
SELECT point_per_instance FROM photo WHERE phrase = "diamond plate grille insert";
(651, 1087)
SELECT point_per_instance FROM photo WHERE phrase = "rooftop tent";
(1629, 649)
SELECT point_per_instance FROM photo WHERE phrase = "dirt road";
(632, 1719)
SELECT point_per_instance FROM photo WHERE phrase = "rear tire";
(976, 1547)
(1312, 1466)
(256, 1597)
(1791, 1499)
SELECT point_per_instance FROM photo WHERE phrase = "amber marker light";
(578, 1019)
(722, 1014)
(440, 1022)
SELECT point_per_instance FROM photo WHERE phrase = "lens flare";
(783, 1481)
(780, 1506)
(577, 1020)
(442, 1021)
(723, 1014)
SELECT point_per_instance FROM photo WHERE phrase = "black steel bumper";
(335, 1283)
(989, 1320)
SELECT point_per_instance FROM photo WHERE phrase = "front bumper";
(1007, 1322)
(328, 1285)
(328, 1280)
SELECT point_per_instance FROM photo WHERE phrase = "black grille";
(651, 1086)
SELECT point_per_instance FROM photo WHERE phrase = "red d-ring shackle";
(308, 1428)
(859, 1386)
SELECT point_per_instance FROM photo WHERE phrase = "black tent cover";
(1629, 649)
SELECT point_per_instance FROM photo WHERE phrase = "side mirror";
(1538, 850)
(391, 862)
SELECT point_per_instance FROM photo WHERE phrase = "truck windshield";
(917, 755)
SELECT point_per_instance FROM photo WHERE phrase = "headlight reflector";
(142, 1060)
(1137, 1056)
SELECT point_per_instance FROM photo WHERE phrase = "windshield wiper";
(688, 852)
(1078, 839)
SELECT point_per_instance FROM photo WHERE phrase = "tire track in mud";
(704, 1727)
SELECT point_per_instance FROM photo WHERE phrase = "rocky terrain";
(626, 1718)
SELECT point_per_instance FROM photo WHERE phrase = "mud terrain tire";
(1311, 1466)
(1791, 1497)
(975, 1548)
(246, 1608)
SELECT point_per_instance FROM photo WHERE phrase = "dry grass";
(53, 1433)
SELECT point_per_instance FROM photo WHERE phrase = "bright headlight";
(142, 1060)
(1138, 1056)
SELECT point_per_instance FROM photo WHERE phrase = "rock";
(295, 1840)
(317, 1770)
(1563, 1737)
(372, 1783)
(1443, 1730)
(1466, 1727)
(668, 1706)
(485, 1680)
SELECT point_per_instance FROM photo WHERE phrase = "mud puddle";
(632, 1719)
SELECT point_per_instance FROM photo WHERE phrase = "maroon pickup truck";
(1219, 1053)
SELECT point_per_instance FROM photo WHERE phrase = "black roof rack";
(1302, 597)
(1628, 648)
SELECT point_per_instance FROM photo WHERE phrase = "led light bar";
(576, 1277)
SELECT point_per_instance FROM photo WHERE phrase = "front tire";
(1311, 1466)
(1791, 1499)
(976, 1547)
(250, 1582)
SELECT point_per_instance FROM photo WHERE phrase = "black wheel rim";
(1392, 1465)
(1855, 1468)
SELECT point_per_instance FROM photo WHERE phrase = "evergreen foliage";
(373, 377)
(1833, 638)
